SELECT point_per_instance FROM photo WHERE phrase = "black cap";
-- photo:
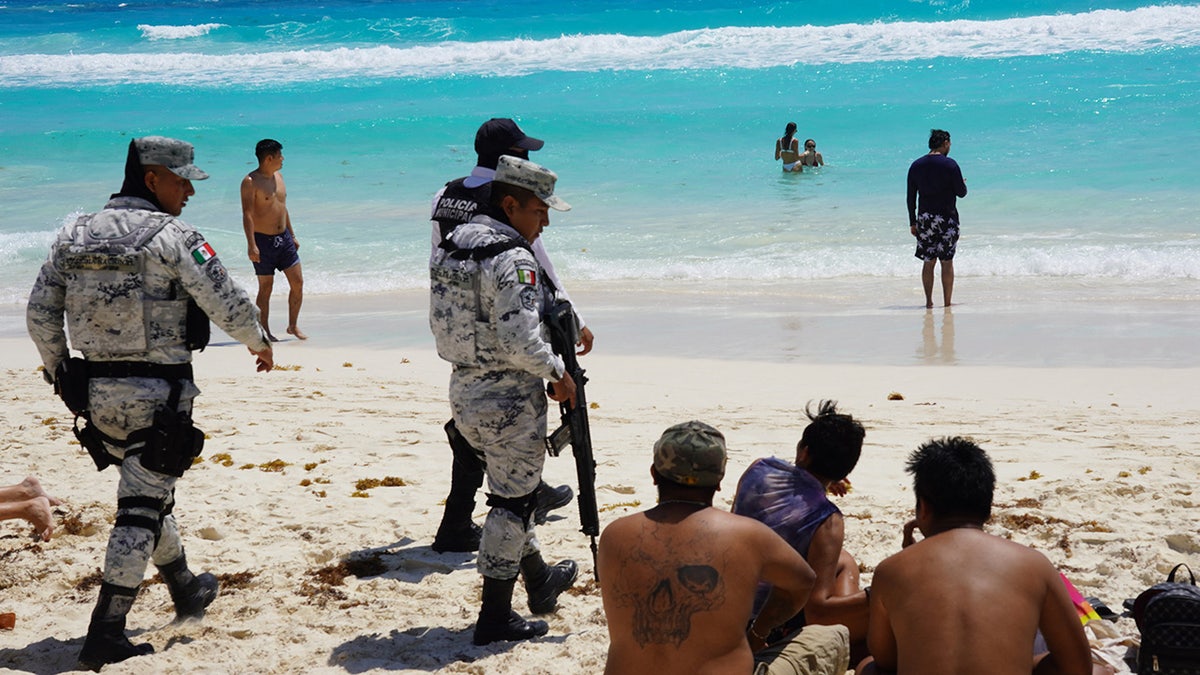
(499, 134)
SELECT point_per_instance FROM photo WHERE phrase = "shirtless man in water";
(961, 600)
(678, 580)
(269, 237)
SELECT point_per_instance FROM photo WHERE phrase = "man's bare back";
(678, 585)
(964, 601)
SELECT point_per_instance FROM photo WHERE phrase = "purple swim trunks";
(937, 237)
(275, 252)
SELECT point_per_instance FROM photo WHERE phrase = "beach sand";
(325, 573)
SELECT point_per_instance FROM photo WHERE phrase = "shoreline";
(882, 322)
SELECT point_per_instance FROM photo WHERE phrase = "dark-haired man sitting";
(792, 500)
(961, 600)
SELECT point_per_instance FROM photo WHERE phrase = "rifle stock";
(575, 429)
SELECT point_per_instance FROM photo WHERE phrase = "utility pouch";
(198, 327)
(171, 444)
(71, 384)
(89, 438)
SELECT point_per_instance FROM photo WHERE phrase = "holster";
(170, 444)
(71, 384)
(92, 440)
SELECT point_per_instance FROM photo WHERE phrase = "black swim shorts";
(275, 252)
(937, 237)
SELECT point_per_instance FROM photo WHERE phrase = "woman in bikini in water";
(811, 157)
(788, 149)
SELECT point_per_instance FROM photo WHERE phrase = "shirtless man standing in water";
(269, 237)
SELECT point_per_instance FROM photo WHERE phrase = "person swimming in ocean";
(787, 148)
(810, 156)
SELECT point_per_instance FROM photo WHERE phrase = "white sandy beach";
(1097, 469)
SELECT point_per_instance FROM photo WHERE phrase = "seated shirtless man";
(961, 600)
(678, 580)
(270, 240)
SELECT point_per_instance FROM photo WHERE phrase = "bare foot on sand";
(271, 337)
(292, 330)
(37, 512)
(31, 487)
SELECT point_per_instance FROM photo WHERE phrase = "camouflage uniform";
(487, 318)
(114, 316)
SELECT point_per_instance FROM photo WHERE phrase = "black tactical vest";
(458, 204)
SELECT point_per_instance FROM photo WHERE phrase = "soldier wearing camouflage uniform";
(486, 302)
(122, 279)
(456, 203)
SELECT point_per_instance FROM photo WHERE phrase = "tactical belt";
(161, 371)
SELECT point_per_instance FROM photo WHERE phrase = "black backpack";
(1168, 616)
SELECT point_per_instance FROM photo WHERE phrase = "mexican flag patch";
(527, 277)
(204, 253)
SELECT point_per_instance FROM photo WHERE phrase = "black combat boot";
(190, 593)
(457, 539)
(457, 533)
(497, 620)
(549, 499)
(544, 583)
(106, 642)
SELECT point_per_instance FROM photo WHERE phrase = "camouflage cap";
(692, 454)
(533, 177)
(174, 154)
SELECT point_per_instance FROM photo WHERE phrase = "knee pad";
(152, 524)
(522, 507)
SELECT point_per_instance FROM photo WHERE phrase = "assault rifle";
(575, 429)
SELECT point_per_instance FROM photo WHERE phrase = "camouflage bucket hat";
(533, 177)
(692, 454)
(174, 154)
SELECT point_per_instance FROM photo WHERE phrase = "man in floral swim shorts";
(938, 181)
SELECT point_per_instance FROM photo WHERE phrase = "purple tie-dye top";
(786, 499)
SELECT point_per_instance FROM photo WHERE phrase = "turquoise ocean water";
(1077, 125)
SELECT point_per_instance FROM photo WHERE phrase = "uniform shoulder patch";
(526, 275)
(203, 253)
(216, 272)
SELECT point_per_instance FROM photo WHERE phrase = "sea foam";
(177, 32)
(1138, 30)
